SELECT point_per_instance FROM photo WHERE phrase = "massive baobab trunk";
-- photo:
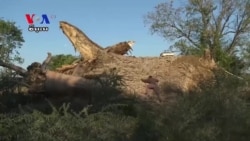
(182, 74)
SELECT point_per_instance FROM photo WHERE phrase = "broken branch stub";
(46, 61)
(88, 49)
(37, 71)
(121, 48)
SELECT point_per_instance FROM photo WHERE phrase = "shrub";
(216, 114)
(64, 124)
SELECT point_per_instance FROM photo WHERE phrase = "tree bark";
(181, 74)
(175, 74)
(87, 48)
(121, 48)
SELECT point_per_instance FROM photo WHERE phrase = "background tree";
(59, 60)
(11, 40)
(221, 25)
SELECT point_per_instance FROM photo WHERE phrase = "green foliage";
(246, 58)
(208, 117)
(148, 127)
(110, 79)
(218, 113)
(111, 85)
(63, 124)
(59, 60)
(9, 82)
(11, 39)
(5, 83)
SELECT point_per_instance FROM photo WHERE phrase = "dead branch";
(238, 31)
(184, 34)
(19, 70)
(46, 61)
(120, 48)
(231, 74)
(66, 67)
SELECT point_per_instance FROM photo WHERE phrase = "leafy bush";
(64, 124)
(214, 116)
(217, 114)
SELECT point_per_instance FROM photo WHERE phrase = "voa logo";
(44, 20)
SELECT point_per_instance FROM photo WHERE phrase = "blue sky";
(105, 21)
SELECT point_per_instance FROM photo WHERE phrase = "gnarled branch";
(121, 48)
(19, 70)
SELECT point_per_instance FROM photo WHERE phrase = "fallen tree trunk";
(58, 85)
(178, 74)
(39, 80)
(54, 84)
(182, 74)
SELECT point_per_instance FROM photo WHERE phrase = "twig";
(231, 74)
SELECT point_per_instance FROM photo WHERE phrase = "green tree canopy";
(11, 40)
(223, 26)
(59, 60)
